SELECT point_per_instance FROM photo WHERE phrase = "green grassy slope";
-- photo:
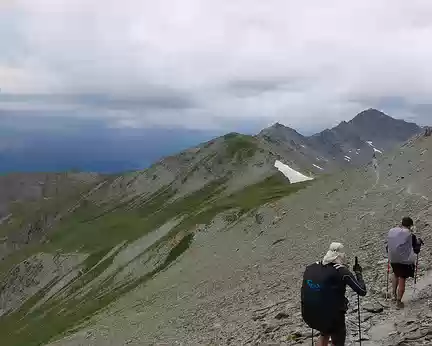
(92, 230)
(240, 147)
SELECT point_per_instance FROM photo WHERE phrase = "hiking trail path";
(414, 322)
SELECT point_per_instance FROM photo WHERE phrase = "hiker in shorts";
(323, 295)
(402, 248)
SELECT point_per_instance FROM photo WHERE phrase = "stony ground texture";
(240, 285)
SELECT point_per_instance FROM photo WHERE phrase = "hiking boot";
(399, 304)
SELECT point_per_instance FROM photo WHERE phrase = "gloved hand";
(420, 241)
(357, 268)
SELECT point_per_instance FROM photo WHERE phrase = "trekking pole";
(312, 337)
(420, 243)
(358, 308)
(388, 274)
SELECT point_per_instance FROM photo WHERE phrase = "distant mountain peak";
(231, 135)
(370, 114)
(377, 120)
(372, 110)
(278, 127)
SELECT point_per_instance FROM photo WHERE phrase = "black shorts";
(403, 270)
(338, 331)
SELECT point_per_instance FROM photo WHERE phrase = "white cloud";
(315, 62)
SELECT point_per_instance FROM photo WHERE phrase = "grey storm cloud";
(215, 63)
(152, 99)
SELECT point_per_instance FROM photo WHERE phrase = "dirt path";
(411, 319)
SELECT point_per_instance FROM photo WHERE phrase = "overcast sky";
(214, 64)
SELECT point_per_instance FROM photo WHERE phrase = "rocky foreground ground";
(240, 285)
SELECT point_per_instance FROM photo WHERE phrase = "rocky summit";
(208, 247)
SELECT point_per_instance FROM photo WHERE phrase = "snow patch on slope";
(291, 174)
(316, 166)
(373, 147)
(347, 158)
(6, 218)
(377, 151)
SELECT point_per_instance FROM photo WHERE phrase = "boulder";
(373, 308)
(282, 315)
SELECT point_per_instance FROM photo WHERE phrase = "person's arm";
(355, 282)
(416, 244)
(386, 244)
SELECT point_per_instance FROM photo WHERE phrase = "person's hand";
(357, 268)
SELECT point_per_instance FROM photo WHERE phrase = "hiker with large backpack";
(323, 299)
(403, 248)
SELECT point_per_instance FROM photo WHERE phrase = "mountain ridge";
(72, 244)
(347, 143)
(247, 159)
(238, 283)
